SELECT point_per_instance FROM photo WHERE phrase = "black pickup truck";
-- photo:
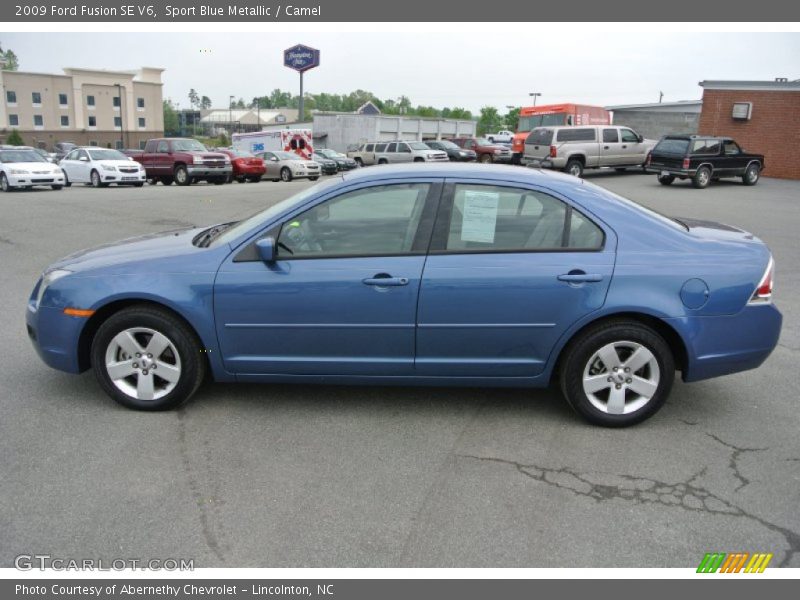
(702, 159)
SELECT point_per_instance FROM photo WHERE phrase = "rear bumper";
(249, 171)
(34, 179)
(683, 173)
(729, 344)
(544, 163)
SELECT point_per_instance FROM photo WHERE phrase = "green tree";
(14, 138)
(403, 104)
(11, 60)
(171, 124)
(205, 102)
(460, 113)
(512, 119)
(194, 99)
(489, 120)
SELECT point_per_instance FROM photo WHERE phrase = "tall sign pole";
(301, 59)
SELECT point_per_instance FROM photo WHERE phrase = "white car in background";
(25, 168)
(100, 167)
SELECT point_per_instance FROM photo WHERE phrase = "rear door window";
(580, 134)
(610, 136)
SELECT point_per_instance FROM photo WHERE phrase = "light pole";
(230, 114)
(121, 117)
(534, 95)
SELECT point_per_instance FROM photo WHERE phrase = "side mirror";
(274, 158)
(640, 138)
(266, 249)
(83, 159)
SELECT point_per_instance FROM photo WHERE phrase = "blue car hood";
(146, 248)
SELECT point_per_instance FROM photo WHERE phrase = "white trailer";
(298, 141)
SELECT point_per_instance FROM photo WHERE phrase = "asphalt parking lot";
(281, 476)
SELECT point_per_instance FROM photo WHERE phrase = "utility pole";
(121, 117)
(534, 95)
(660, 96)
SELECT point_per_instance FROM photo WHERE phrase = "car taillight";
(763, 293)
(685, 163)
(553, 151)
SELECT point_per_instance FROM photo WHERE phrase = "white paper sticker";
(480, 216)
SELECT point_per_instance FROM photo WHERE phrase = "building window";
(11, 98)
(64, 121)
(140, 103)
(141, 122)
(118, 144)
(93, 142)
(92, 121)
(116, 102)
(90, 101)
(142, 144)
(118, 122)
(38, 121)
(13, 120)
(62, 100)
(36, 98)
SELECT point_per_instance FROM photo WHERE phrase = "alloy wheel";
(143, 363)
(621, 377)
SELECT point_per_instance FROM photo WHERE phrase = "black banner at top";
(321, 11)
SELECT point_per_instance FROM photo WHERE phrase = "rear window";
(576, 135)
(672, 146)
(541, 137)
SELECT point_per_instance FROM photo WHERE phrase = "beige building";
(116, 109)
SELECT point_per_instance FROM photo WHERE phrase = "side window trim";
(441, 228)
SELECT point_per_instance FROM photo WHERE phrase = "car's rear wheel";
(702, 178)
(182, 176)
(286, 174)
(666, 179)
(4, 185)
(486, 158)
(147, 359)
(383, 161)
(751, 175)
(574, 167)
(359, 162)
(617, 374)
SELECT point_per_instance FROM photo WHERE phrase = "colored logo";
(737, 562)
(301, 58)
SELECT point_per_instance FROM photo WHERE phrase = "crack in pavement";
(735, 457)
(643, 490)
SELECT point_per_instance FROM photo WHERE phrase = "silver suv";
(381, 153)
(575, 148)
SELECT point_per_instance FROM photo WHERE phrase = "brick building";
(763, 116)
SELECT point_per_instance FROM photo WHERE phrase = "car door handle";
(605, 147)
(624, 146)
(580, 277)
(385, 280)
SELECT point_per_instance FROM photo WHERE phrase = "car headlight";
(462, 153)
(108, 167)
(197, 160)
(47, 279)
(498, 151)
(17, 172)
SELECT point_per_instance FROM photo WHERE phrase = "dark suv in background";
(454, 153)
(703, 159)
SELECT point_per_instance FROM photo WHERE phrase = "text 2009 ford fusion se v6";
(435, 274)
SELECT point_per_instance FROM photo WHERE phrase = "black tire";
(239, 180)
(581, 350)
(96, 182)
(254, 179)
(359, 162)
(383, 161)
(313, 178)
(751, 174)
(418, 159)
(574, 167)
(4, 185)
(286, 174)
(189, 350)
(701, 178)
(56, 187)
(666, 179)
(486, 158)
(67, 182)
(181, 175)
(140, 184)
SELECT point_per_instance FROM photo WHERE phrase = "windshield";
(483, 142)
(263, 216)
(319, 157)
(106, 155)
(445, 145)
(419, 146)
(531, 121)
(672, 146)
(332, 154)
(188, 146)
(20, 156)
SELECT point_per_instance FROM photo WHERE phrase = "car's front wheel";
(617, 374)
(286, 174)
(147, 359)
(751, 175)
(4, 185)
(95, 180)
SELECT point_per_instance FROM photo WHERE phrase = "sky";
(467, 70)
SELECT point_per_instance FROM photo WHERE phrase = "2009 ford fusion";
(436, 274)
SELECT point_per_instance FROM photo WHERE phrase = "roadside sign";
(301, 58)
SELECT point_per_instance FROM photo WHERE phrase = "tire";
(254, 179)
(666, 179)
(95, 180)
(286, 174)
(638, 395)
(418, 159)
(359, 162)
(4, 185)
(56, 187)
(140, 184)
(180, 358)
(751, 174)
(182, 176)
(574, 167)
(485, 158)
(67, 182)
(239, 180)
(383, 161)
(313, 178)
(701, 178)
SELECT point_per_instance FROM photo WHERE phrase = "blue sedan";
(440, 274)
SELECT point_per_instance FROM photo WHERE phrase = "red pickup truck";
(183, 161)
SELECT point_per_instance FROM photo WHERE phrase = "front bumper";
(54, 336)
(347, 166)
(202, 171)
(721, 345)
(30, 179)
(306, 173)
(119, 177)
